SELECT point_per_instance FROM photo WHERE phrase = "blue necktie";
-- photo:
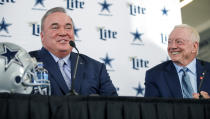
(186, 84)
(66, 75)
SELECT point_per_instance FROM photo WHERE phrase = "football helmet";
(17, 71)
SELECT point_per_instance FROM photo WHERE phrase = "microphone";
(202, 77)
(73, 91)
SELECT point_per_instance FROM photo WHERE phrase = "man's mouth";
(175, 53)
(63, 41)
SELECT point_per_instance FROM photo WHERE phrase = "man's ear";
(195, 47)
(42, 35)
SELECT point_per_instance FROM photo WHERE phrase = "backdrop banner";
(129, 36)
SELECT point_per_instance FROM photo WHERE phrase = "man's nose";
(172, 44)
(62, 31)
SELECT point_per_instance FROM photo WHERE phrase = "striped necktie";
(65, 74)
(186, 84)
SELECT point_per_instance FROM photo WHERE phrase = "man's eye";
(179, 42)
(68, 27)
(54, 27)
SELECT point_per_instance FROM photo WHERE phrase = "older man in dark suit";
(181, 76)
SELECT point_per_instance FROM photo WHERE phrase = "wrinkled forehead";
(58, 17)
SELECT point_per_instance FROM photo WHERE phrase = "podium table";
(19, 106)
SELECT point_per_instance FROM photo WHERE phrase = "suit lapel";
(53, 69)
(80, 71)
(199, 70)
(172, 80)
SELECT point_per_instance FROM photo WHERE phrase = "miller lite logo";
(136, 10)
(138, 63)
(36, 29)
(105, 34)
(75, 4)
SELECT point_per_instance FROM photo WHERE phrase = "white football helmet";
(17, 71)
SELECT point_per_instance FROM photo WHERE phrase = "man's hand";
(203, 93)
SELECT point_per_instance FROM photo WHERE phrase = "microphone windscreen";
(72, 44)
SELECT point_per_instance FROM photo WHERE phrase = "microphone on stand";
(202, 77)
(73, 91)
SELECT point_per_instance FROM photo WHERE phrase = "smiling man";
(59, 60)
(180, 77)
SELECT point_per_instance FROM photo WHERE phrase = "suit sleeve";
(151, 89)
(106, 86)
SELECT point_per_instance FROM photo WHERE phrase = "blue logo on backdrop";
(139, 90)
(107, 61)
(164, 39)
(75, 4)
(36, 29)
(40, 2)
(10, 56)
(164, 11)
(139, 63)
(39, 5)
(105, 11)
(107, 34)
(76, 30)
(136, 10)
(137, 40)
(6, 1)
(4, 26)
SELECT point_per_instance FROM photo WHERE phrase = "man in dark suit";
(180, 77)
(92, 77)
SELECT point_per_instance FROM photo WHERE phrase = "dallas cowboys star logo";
(76, 31)
(137, 35)
(107, 60)
(165, 11)
(139, 90)
(10, 56)
(39, 2)
(105, 6)
(4, 25)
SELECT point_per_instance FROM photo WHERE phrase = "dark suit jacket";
(91, 78)
(163, 81)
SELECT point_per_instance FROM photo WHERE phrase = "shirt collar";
(65, 59)
(191, 67)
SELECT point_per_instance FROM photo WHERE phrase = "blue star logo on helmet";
(10, 56)
(4, 25)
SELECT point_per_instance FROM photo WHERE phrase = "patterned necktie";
(186, 84)
(66, 77)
